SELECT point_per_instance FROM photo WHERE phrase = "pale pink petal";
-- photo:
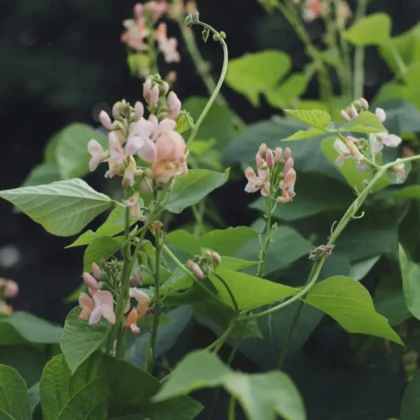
(381, 114)
(174, 105)
(251, 187)
(391, 140)
(86, 302)
(90, 281)
(147, 151)
(108, 313)
(96, 315)
(341, 148)
(134, 143)
(103, 297)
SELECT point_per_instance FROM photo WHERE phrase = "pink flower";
(117, 156)
(313, 10)
(90, 281)
(287, 185)
(139, 141)
(384, 139)
(195, 269)
(102, 305)
(168, 46)
(98, 154)
(345, 115)
(343, 152)
(257, 183)
(143, 301)
(174, 106)
(381, 114)
(96, 271)
(11, 289)
(163, 170)
(156, 9)
(133, 203)
(135, 34)
(130, 173)
(131, 322)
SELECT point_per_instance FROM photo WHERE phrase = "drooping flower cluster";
(143, 27)
(203, 265)
(314, 9)
(354, 148)
(154, 140)
(275, 171)
(99, 303)
(8, 290)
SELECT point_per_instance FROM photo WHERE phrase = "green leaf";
(101, 248)
(14, 398)
(80, 339)
(63, 208)
(223, 131)
(226, 242)
(262, 396)
(306, 134)
(282, 95)
(250, 291)
(315, 118)
(350, 304)
(286, 247)
(108, 388)
(236, 264)
(23, 328)
(410, 406)
(182, 123)
(244, 73)
(360, 269)
(200, 147)
(71, 149)
(193, 187)
(411, 192)
(34, 396)
(43, 173)
(374, 29)
(366, 122)
(410, 272)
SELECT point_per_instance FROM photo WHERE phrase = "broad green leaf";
(71, 149)
(226, 242)
(350, 304)
(23, 328)
(310, 199)
(44, 173)
(410, 406)
(34, 396)
(389, 300)
(27, 360)
(200, 147)
(315, 117)
(360, 269)
(223, 131)
(286, 247)
(349, 171)
(411, 192)
(106, 387)
(261, 396)
(101, 248)
(193, 187)
(244, 73)
(282, 95)
(236, 264)
(63, 208)
(366, 122)
(250, 292)
(374, 29)
(80, 339)
(167, 336)
(306, 135)
(410, 272)
(14, 398)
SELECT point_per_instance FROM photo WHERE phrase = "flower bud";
(174, 106)
(154, 97)
(216, 257)
(96, 271)
(117, 109)
(353, 112)
(259, 161)
(90, 281)
(11, 289)
(364, 103)
(269, 159)
(381, 114)
(278, 154)
(131, 322)
(207, 254)
(139, 110)
(345, 115)
(138, 10)
(156, 226)
(196, 270)
(262, 150)
(105, 120)
(147, 89)
(288, 166)
(287, 154)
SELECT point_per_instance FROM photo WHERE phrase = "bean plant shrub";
(332, 254)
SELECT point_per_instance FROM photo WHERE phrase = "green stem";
(264, 250)
(157, 305)
(232, 405)
(220, 341)
(346, 219)
(219, 84)
(235, 304)
(359, 56)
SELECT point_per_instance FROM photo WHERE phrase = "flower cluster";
(275, 170)
(354, 148)
(203, 265)
(154, 140)
(100, 303)
(8, 290)
(314, 9)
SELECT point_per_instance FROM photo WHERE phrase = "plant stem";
(359, 56)
(264, 250)
(219, 84)
(345, 220)
(220, 341)
(232, 405)
(157, 305)
(235, 304)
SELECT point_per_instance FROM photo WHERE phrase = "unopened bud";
(381, 114)
(195, 269)
(90, 281)
(345, 116)
(364, 103)
(138, 110)
(352, 147)
(96, 271)
(216, 257)
(174, 106)
(156, 226)
(138, 10)
(278, 154)
(147, 89)
(117, 109)
(259, 161)
(287, 154)
(154, 97)
(105, 120)
(269, 157)
(11, 289)
(353, 112)
(207, 254)
(262, 150)
(288, 166)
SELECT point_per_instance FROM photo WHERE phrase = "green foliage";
(366, 122)
(193, 187)
(63, 208)
(14, 399)
(315, 118)
(410, 272)
(307, 134)
(43, 173)
(262, 396)
(100, 248)
(80, 339)
(282, 95)
(350, 304)
(410, 406)
(371, 30)
(105, 387)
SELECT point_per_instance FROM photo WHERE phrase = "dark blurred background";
(62, 61)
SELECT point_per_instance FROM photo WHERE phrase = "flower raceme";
(275, 171)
